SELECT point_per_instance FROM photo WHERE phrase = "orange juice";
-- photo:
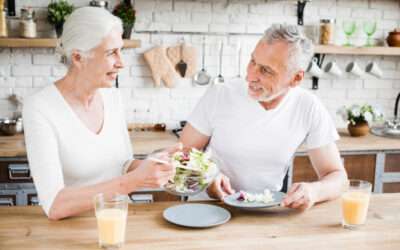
(355, 207)
(111, 226)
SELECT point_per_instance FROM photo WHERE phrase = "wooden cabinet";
(382, 169)
(357, 167)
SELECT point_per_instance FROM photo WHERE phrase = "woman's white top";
(254, 146)
(63, 152)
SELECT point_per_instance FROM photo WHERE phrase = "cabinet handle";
(19, 172)
(142, 198)
(6, 202)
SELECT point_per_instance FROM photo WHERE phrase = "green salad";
(195, 170)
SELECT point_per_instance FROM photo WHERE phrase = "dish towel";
(161, 68)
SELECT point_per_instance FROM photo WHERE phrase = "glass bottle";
(326, 31)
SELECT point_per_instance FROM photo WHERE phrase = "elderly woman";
(75, 131)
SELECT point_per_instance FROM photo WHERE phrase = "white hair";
(85, 28)
(301, 48)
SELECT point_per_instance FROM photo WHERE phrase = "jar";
(393, 38)
(326, 31)
(27, 24)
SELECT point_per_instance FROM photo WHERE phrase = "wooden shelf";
(47, 43)
(367, 51)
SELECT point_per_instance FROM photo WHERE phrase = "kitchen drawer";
(18, 197)
(14, 171)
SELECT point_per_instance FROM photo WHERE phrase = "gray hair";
(84, 29)
(301, 48)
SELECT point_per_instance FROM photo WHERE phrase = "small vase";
(127, 31)
(59, 29)
(358, 129)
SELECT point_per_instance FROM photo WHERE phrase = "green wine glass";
(369, 29)
(349, 27)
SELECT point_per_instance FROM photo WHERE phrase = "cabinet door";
(14, 171)
(392, 166)
(357, 167)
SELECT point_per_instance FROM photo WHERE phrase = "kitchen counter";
(146, 142)
(279, 228)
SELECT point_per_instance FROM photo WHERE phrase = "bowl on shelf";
(9, 126)
(393, 38)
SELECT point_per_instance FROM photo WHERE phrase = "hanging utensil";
(220, 79)
(181, 66)
(202, 77)
(239, 59)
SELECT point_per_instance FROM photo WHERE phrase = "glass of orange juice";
(111, 213)
(355, 203)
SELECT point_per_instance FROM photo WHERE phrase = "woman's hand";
(151, 174)
(220, 187)
(300, 196)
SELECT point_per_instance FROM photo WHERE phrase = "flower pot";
(127, 31)
(59, 29)
(358, 129)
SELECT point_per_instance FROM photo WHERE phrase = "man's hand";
(301, 196)
(220, 187)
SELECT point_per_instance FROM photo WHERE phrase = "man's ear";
(76, 59)
(296, 79)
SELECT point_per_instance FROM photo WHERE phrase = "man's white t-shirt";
(62, 151)
(255, 146)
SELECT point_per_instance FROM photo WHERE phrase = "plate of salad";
(195, 170)
(252, 200)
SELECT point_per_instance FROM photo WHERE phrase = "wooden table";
(318, 228)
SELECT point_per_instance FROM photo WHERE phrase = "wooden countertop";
(146, 142)
(279, 228)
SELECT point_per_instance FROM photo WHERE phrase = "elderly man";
(255, 128)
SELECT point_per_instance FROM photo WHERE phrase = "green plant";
(57, 11)
(126, 12)
(356, 113)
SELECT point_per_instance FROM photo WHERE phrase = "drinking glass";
(355, 203)
(369, 29)
(349, 27)
(111, 214)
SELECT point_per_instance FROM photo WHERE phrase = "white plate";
(196, 215)
(232, 200)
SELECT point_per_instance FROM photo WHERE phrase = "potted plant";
(359, 118)
(57, 12)
(127, 13)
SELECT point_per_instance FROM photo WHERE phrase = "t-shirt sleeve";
(202, 116)
(322, 130)
(43, 156)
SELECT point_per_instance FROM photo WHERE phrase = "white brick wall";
(24, 71)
